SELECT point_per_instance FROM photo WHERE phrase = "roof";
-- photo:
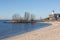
(56, 13)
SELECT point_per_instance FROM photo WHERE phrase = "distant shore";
(11, 21)
(48, 33)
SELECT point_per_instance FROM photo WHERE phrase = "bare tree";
(16, 17)
(32, 17)
(26, 16)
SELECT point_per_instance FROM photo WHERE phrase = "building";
(54, 16)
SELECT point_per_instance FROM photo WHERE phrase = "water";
(9, 29)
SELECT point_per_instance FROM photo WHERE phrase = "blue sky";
(40, 8)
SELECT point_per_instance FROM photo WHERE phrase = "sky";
(40, 8)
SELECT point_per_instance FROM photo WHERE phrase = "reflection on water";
(8, 29)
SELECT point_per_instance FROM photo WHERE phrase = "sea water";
(10, 29)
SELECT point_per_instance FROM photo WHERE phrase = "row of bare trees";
(27, 17)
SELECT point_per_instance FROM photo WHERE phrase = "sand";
(47, 33)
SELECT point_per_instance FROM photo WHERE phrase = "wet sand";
(47, 33)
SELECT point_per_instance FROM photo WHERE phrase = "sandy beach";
(47, 33)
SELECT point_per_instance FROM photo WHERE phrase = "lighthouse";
(52, 11)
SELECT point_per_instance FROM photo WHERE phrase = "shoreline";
(51, 32)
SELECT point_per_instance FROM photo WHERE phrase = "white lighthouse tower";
(52, 11)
